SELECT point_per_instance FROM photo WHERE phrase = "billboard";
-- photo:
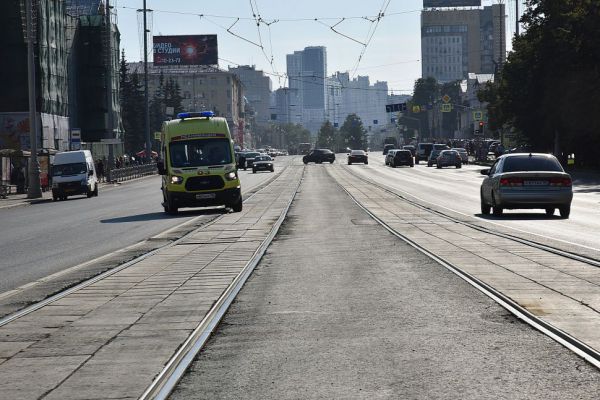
(451, 3)
(185, 50)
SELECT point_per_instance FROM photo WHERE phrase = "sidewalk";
(16, 200)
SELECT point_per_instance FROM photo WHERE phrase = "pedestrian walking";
(100, 170)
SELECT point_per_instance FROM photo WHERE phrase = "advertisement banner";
(185, 50)
(14, 131)
(451, 3)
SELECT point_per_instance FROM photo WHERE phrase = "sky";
(393, 45)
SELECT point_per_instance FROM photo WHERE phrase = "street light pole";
(109, 93)
(34, 190)
(146, 106)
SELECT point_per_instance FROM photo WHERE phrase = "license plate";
(535, 183)
(202, 196)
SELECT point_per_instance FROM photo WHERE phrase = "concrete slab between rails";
(110, 339)
(561, 292)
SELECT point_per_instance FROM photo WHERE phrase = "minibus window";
(69, 169)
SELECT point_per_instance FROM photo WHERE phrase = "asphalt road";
(41, 239)
(458, 190)
(339, 308)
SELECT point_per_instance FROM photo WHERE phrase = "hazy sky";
(392, 55)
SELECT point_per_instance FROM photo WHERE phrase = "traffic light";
(480, 124)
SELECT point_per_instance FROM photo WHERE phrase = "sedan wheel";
(564, 211)
(496, 210)
(485, 209)
(549, 211)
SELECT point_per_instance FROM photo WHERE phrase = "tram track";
(528, 242)
(167, 379)
(97, 278)
(561, 336)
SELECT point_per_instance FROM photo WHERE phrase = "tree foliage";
(549, 86)
(132, 108)
(426, 91)
(353, 133)
(327, 136)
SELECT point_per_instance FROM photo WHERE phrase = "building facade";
(456, 42)
(307, 73)
(203, 89)
(70, 81)
(359, 97)
(257, 90)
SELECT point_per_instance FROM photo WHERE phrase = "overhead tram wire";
(258, 19)
(381, 14)
(311, 82)
(306, 19)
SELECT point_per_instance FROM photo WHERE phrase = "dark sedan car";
(249, 157)
(449, 158)
(522, 180)
(412, 149)
(263, 163)
(358, 156)
(319, 156)
(433, 157)
(401, 157)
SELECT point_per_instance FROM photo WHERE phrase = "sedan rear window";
(531, 163)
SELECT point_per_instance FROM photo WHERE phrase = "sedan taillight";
(511, 182)
(561, 182)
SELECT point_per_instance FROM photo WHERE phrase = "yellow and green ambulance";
(197, 163)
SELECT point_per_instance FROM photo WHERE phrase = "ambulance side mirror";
(160, 165)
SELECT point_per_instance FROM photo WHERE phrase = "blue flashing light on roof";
(203, 114)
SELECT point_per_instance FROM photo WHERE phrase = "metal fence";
(133, 172)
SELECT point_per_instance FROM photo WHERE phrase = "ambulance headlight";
(176, 179)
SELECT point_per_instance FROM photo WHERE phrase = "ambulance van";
(197, 163)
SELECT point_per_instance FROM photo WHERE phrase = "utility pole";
(109, 93)
(517, 17)
(146, 105)
(34, 190)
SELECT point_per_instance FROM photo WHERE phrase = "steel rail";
(531, 243)
(166, 381)
(36, 306)
(568, 341)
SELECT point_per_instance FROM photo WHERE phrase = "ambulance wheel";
(170, 206)
(238, 205)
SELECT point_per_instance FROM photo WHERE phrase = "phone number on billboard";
(171, 60)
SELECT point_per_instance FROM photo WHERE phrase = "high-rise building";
(257, 90)
(455, 42)
(359, 97)
(307, 73)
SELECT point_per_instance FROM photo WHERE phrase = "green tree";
(157, 105)
(550, 81)
(132, 108)
(353, 133)
(173, 96)
(449, 119)
(326, 137)
(426, 92)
